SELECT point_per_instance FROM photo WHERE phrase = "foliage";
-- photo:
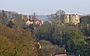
(85, 51)
(73, 41)
(64, 35)
(48, 49)
(16, 42)
(85, 19)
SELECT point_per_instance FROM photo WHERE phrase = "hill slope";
(16, 42)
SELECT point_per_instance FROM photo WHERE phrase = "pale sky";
(43, 7)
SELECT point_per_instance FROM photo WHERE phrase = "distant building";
(66, 18)
(29, 22)
(33, 19)
(73, 19)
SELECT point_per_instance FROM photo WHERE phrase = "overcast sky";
(46, 6)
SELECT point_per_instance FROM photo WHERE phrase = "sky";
(45, 7)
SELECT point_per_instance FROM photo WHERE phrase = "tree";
(43, 31)
(74, 41)
(3, 17)
(48, 49)
(14, 42)
(63, 35)
(12, 23)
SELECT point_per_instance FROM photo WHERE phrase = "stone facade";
(73, 19)
(66, 18)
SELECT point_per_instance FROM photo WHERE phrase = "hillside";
(16, 42)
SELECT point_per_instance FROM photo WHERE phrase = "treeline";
(7, 16)
(74, 38)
